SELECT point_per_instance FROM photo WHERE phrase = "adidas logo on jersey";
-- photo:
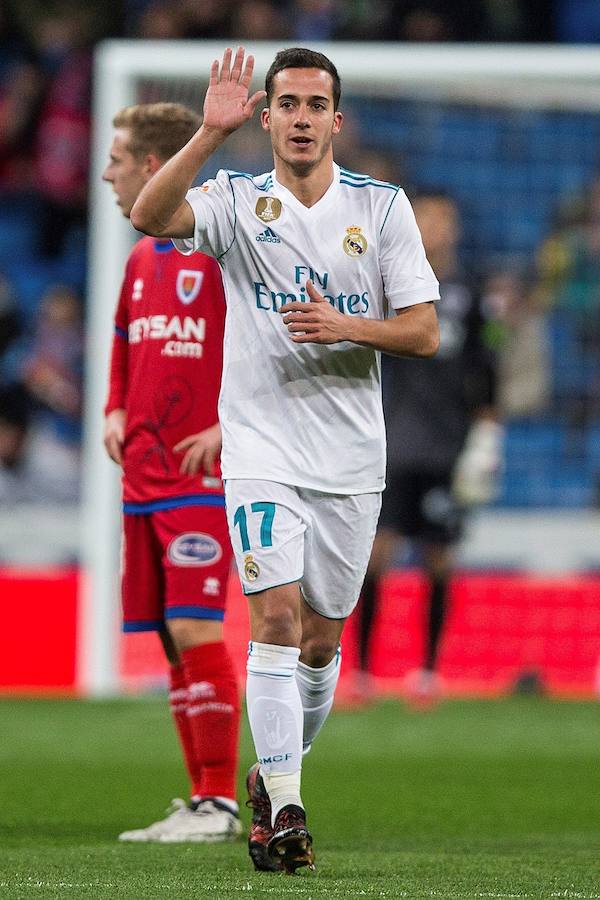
(268, 236)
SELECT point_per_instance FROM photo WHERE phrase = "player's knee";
(277, 626)
(318, 651)
(188, 633)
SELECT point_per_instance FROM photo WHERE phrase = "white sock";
(317, 687)
(283, 790)
(275, 715)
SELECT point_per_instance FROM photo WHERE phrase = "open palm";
(227, 105)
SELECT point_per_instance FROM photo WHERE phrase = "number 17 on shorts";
(267, 527)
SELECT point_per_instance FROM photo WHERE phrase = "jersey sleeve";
(117, 381)
(407, 276)
(214, 218)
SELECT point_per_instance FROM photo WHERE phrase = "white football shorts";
(282, 534)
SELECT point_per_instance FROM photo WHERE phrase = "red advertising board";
(501, 627)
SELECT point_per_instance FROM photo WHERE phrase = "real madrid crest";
(354, 243)
(268, 209)
(251, 568)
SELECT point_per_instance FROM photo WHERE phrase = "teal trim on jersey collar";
(365, 180)
(268, 184)
(377, 184)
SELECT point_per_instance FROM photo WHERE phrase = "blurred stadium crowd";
(535, 251)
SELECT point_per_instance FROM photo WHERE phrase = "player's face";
(125, 172)
(301, 118)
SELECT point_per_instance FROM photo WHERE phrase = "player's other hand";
(202, 450)
(478, 469)
(114, 434)
(227, 105)
(315, 322)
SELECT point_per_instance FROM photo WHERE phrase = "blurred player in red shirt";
(162, 428)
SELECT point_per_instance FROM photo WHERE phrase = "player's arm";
(202, 450)
(161, 208)
(115, 417)
(476, 477)
(414, 331)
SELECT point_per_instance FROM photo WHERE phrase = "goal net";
(511, 132)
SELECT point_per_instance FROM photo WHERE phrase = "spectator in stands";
(259, 20)
(34, 467)
(568, 281)
(52, 370)
(315, 20)
(364, 21)
(63, 134)
(443, 438)
(577, 23)
(10, 325)
(42, 424)
(210, 19)
(517, 328)
(14, 419)
(161, 20)
(568, 261)
(20, 92)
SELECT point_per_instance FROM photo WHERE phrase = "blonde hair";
(158, 128)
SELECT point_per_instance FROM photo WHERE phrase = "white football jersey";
(306, 414)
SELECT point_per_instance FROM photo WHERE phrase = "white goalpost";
(521, 77)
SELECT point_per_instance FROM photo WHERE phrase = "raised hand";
(227, 105)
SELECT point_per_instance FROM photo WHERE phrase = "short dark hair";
(159, 128)
(302, 58)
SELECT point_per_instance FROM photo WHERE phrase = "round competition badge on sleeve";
(268, 209)
(354, 243)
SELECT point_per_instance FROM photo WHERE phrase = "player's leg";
(438, 562)
(142, 588)
(339, 541)
(436, 528)
(196, 565)
(397, 504)
(267, 530)
(275, 715)
(178, 706)
(318, 670)
(382, 554)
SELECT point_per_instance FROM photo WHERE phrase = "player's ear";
(265, 119)
(151, 165)
(338, 119)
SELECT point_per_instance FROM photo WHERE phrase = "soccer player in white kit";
(323, 269)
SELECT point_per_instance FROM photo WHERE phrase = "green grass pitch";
(496, 799)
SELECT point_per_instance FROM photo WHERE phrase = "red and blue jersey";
(166, 364)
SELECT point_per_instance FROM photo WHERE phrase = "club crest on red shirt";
(188, 284)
